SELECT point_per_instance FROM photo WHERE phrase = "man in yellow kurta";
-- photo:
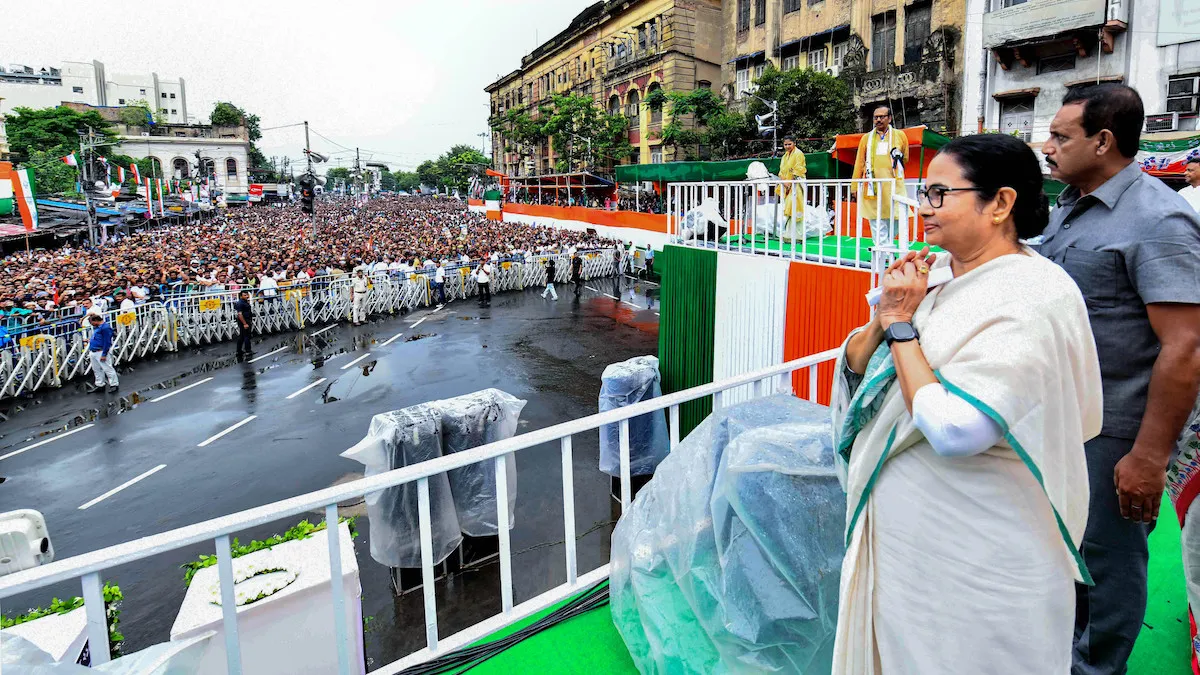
(792, 167)
(881, 154)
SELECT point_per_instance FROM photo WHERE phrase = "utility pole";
(308, 156)
(357, 173)
(82, 168)
(483, 142)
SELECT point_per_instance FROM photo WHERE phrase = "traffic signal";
(308, 193)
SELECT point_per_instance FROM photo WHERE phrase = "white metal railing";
(88, 567)
(855, 214)
(53, 352)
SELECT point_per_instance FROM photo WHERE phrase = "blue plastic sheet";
(622, 384)
(729, 560)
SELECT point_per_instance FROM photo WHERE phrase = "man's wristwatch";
(901, 331)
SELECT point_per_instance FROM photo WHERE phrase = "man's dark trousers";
(243, 343)
(1108, 617)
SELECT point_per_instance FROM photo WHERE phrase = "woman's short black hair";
(994, 161)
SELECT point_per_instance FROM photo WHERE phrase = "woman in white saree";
(960, 412)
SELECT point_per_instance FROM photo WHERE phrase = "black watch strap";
(901, 331)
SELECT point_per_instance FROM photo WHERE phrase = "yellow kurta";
(879, 205)
(792, 167)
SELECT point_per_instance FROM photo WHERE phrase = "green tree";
(387, 181)
(136, 114)
(580, 129)
(457, 165)
(408, 181)
(702, 126)
(335, 175)
(226, 114)
(53, 176)
(428, 173)
(49, 129)
(812, 105)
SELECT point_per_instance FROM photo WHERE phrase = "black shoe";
(112, 389)
(91, 389)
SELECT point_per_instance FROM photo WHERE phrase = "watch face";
(902, 332)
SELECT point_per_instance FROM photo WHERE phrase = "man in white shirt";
(439, 282)
(1191, 173)
(484, 277)
(270, 287)
(359, 287)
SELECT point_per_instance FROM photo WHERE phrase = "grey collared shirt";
(1130, 243)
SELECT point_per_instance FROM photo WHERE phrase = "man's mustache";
(1051, 162)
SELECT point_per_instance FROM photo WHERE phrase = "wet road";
(196, 435)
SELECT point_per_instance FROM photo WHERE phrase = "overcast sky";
(403, 78)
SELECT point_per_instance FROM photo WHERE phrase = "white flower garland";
(257, 584)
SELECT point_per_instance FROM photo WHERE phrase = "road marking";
(392, 339)
(439, 308)
(180, 391)
(213, 438)
(260, 358)
(594, 290)
(48, 440)
(641, 280)
(610, 296)
(632, 305)
(657, 314)
(348, 365)
(314, 384)
(419, 322)
(331, 327)
(122, 486)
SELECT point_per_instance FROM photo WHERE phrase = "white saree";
(966, 565)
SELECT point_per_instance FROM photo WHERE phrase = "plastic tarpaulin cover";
(729, 559)
(19, 656)
(398, 439)
(469, 422)
(623, 384)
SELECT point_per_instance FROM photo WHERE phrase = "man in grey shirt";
(1133, 247)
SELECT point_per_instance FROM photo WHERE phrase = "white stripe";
(632, 305)
(594, 290)
(439, 308)
(260, 358)
(657, 314)
(610, 296)
(213, 438)
(348, 365)
(331, 327)
(180, 391)
(418, 323)
(122, 486)
(48, 440)
(392, 339)
(642, 280)
(314, 384)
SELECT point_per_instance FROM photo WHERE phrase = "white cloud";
(403, 78)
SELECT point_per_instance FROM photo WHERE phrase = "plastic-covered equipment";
(729, 560)
(623, 384)
(177, 657)
(468, 422)
(397, 439)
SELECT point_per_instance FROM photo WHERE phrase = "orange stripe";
(650, 222)
(823, 305)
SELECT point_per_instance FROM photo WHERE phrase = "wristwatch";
(901, 331)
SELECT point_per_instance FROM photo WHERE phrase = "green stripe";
(1020, 450)
(847, 440)
(688, 300)
(862, 501)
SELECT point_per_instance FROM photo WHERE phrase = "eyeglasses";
(936, 195)
(882, 117)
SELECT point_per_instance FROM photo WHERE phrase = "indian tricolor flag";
(121, 175)
(137, 175)
(70, 160)
(491, 204)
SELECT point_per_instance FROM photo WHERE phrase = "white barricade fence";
(90, 568)
(831, 222)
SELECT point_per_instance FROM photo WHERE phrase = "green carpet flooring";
(846, 249)
(590, 643)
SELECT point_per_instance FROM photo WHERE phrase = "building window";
(1182, 93)
(742, 82)
(1001, 4)
(816, 59)
(120, 101)
(704, 84)
(77, 90)
(883, 40)
(180, 167)
(656, 155)
(635, 110)
(1056, 63)
(760, 12)
(163, 110)
(839, 54)
(614, 105)
(1016, 117)
(653, 34)
(172, 95)
(791, 62)
(758, 70)
(142, 92)
(656, 108)
(791, 6)
(916, 30)
(164, 94)
(231, 168)
(743, 15)
(174, 111)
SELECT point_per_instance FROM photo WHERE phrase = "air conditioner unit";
(1163, 122)
(832, 70)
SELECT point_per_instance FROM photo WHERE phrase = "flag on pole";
(137, 175)
(162, 211)
(102, 160)
(149, 200)
(25, 187)
(70, 160)
(121, 175)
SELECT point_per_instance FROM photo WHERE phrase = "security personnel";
(360, 287)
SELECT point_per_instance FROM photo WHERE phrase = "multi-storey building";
(3, 134)
(1024, 55)
(902, 53)
(89, 83)
(618, 52)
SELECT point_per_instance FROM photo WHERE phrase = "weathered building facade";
(617, 52)
(900, 53)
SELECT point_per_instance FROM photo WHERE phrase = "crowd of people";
(256, 248)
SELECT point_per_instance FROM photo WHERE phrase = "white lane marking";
(351, 364)
(610, 296)
(642, 280)
(48, 440)
(594, 290)
(213, 438)
(421, 321)
(180, 391)
(392, 339)
(314, 384)
(260, 358)
(122, 486)
(330, 327)
(657, 314)
(632, 305)
(439, 308)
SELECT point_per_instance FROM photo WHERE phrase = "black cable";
(466, 659)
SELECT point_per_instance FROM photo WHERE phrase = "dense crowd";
(251, 247)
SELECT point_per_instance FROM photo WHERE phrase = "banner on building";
(26, 188)
(1039, 18)
(1167, 157)
(256, 192)
(1178, 22)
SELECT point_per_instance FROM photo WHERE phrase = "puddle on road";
(419, 336)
